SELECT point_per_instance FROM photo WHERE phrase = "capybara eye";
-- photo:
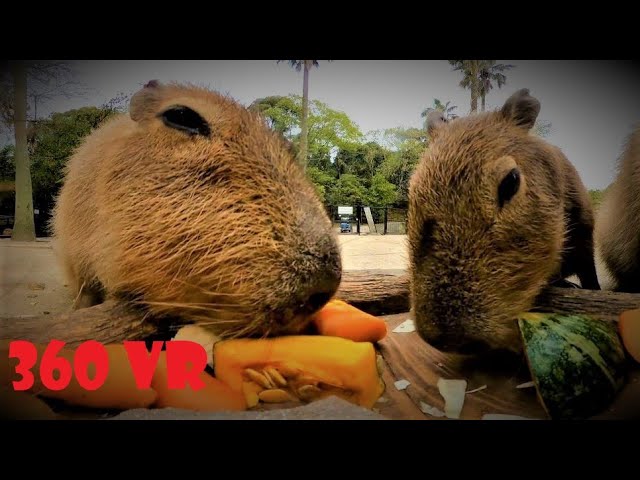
(186, 120)
(508, 187)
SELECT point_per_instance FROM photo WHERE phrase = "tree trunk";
(304, 121)
(24, 226)
(475, 85)
(482, 96)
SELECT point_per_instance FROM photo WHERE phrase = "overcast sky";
(592, 105)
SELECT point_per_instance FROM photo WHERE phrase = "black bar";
(385, 220)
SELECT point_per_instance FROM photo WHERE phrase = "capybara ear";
(144, 101)
(435, 121)
(521, 109)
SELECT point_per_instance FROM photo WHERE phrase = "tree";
(24, 226)
(382, 192)
(46, 80)
(491, 72)
(541, 128)
(321, 180)
(282, 114)
(470, 70)
(305, 65)
(38, 81)
(440, 107)
(347, 190)
(54, 141)
(328, 132)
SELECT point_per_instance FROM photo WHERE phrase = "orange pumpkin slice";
(299, 368)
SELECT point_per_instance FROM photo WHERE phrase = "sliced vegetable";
(213, 397)
(202, 336)
(339, 319)
(431, 410)
(577, 362)
(407, 326)
(306, 367)
(453, 392)
(402, 384)
(629, 327)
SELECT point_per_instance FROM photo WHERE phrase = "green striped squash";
(577, 362)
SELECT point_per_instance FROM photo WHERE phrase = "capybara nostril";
(317, 290)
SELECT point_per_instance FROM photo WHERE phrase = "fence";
(369, 220)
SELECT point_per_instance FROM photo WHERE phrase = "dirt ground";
(31, 282)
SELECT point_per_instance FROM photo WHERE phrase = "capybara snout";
(495, 215)
(194, 208)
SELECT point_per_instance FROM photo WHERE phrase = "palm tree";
(304, 124)
(491, 72)
(471, 78)
(24, 226)
(442, 107)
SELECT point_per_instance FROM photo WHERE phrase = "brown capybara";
(617, 229)
(191, 207)
(495, 214)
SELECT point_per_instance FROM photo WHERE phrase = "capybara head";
(485, 226)
(207, 216)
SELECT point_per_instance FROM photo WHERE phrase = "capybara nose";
(318, 289)
(454, 343)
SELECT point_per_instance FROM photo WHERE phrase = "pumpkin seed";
(275, 395)
(278, 379)
(257, 377)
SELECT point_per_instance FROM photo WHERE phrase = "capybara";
(191, 207)
(617, 229)
(495, 215)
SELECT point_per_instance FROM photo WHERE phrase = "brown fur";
(225, 231)
(617, 231)
(474, 265)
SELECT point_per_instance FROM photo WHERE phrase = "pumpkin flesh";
(308, 367)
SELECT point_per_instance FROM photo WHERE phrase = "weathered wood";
(109, 322)
(379, 292)
(413, 360)
(386, 292)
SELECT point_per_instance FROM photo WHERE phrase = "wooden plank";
(412, 359)
(396, 404)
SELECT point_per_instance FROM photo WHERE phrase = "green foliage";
(7, 164)
(596, 197)
(347, 190)
(53, 141)
(438, 106)
(322, 181)
(382, 192)
(282, 114)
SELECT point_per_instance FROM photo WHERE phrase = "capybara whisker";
(192, 207)
(495, 215)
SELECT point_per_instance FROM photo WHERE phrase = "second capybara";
(617, 230)
(495, 215)
(192, 208)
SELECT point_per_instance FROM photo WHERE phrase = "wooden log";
(379, 292)
(386, 292)
(110, 322)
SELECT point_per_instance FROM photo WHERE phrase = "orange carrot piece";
(629, 328)
(216, 396)
(339, 319)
